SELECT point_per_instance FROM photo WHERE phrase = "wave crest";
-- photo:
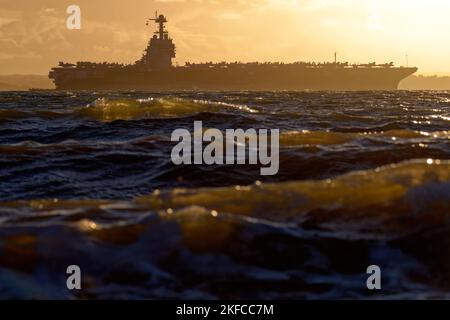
(104, 109)
(389, 192)
(306, 137)
(356, 190)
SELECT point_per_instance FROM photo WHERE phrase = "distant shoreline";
(18, 82)
(420, 82)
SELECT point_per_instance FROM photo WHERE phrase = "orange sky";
(33, 34)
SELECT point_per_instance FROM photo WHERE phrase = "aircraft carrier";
(155, 71)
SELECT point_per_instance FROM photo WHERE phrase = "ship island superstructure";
(155, 71)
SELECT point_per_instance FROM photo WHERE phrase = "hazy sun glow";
(33, 36)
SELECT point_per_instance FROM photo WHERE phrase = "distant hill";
(425, 83)
(10, 87)
(24, 82)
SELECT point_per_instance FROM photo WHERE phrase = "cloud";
(229, 15)
(40, 39)
(33, 36)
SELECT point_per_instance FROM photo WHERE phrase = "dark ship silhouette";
(154, 71)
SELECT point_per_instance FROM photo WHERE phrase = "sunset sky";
(33, 34)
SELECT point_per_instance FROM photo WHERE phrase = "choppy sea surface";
(86, 178)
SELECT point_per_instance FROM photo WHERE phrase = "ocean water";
(86, 178)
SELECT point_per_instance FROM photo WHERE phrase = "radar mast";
(160, 49)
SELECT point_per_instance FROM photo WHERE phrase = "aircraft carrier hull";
(264, 78)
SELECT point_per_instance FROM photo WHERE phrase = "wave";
(305, 239)
(354, 191)
(33, 147)
(104, 109)
(107, 197)
(109, 109)
(307, 137)
(410, 187)
(287, 139)
(12, 114)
